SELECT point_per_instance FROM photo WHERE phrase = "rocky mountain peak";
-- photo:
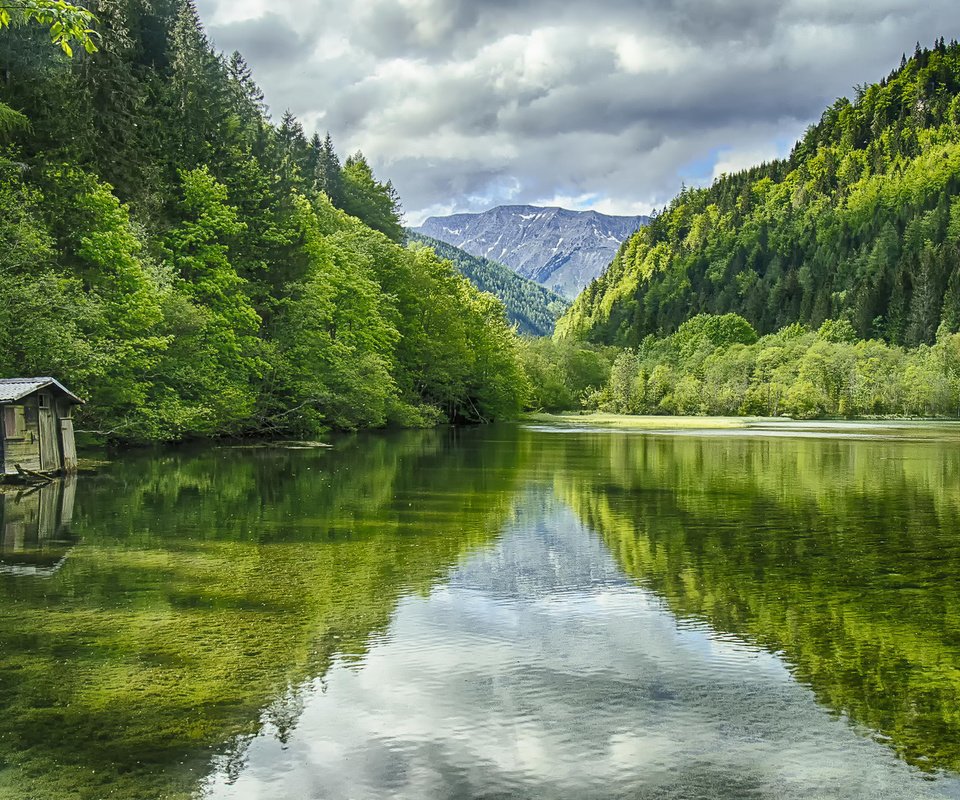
(561, 249)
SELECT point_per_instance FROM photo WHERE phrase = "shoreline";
(659, 423)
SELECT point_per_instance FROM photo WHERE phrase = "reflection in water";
(35, 533)
(495, 613)
(540, 671)
(207, 586)
(842, 555)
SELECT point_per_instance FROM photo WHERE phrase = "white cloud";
(469, 103)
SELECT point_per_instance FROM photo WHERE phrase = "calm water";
(510, 612)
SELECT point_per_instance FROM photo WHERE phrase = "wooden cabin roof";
(14, 389)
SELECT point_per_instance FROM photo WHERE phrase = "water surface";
(498, 612)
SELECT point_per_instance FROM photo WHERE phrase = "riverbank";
(599, 419)
(643, 422)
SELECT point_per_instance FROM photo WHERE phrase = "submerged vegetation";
(192, 268)
(209, 591)
(204, 590)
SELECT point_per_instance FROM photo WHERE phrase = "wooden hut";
(37, 426)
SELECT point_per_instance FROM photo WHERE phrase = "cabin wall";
(37, 433)
(50, 460)
(21, 434)
(68, 445)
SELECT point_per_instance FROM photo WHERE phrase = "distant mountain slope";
(560, 249)
(532, 307)
(861, 222)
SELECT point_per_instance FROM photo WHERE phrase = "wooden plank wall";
(69, 446)
(25, 451)
(49, 439)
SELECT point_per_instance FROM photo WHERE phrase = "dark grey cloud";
(469, 103)
(268, 41)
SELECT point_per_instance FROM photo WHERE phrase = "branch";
(68, 23)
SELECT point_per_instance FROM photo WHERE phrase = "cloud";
(470, 103)
(268, 41)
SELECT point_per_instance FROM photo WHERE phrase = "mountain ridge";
(860, 223)
(533, 308)
(561, 249)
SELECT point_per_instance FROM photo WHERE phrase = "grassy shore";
(599, 419)
(916, 427)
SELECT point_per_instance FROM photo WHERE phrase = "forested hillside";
(192, 268)
(860, 223)
(531, 307)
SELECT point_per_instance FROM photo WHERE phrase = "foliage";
(67, 22)
(716, 365)
(534, 309)
(563, 374)
(365, 197)
(858, 225)
(209, 271)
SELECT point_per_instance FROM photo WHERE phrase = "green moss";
(208, 586)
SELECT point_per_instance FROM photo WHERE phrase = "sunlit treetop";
(69, 24)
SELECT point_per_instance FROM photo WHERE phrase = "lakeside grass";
(642, 422)
(934, 428)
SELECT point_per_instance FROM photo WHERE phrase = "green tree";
(859, 223)
(213, 363)
(377, 204)
(68, 23)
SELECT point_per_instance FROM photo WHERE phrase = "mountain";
(861, 223)
(560, 249)
(533, 308)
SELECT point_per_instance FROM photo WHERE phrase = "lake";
(513, 611)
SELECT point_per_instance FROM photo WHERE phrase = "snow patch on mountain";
(560, 249)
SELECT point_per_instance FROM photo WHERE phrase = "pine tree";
(328, 177)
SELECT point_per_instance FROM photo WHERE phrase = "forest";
(192, 268)
(860, 223)
(533, 308)
(718, 365)
(825, 284)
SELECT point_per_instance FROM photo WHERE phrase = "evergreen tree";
(197, 272)
(377, 204)
(858, 223)
(327, 174)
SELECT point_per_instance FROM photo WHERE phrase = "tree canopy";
(193, 268)
(533, 308)
(860, 224)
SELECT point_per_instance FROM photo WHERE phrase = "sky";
(612, 105)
